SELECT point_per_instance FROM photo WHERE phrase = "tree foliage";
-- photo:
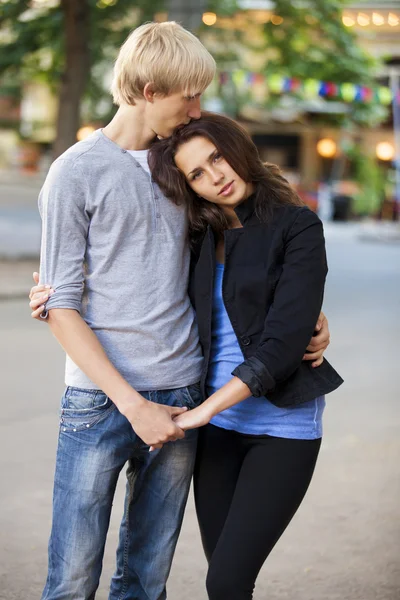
(70, 45)
(311, 41)
(306, 39)
(32, 41)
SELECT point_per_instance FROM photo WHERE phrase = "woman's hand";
(197, 417)
(319, 342)
(38, 296)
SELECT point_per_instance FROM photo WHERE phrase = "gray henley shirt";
(115, 249)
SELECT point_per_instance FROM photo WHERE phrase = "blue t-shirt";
(255, 416)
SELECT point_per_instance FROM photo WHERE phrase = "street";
(20, 223)
(344, 542)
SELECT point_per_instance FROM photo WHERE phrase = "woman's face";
(209, 175)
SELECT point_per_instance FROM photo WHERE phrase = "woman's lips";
(226, 190)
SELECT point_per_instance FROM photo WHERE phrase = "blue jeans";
(95, 442)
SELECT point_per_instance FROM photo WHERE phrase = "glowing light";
(261, 16)
(276, 20)
(363, 19)
(326, 148)
(378, 19)
(385, 151)
(84, 132)
(161, 17)
(348, 21)
(106, 3)
(45, 3)
(393, 19)
(209, 18)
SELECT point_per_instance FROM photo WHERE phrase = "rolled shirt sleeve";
(65, 226)
(297, 303)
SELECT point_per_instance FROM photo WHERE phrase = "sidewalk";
(20, 224)
(16, 279)
(18, 178)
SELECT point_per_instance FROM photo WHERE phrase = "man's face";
(165, 113)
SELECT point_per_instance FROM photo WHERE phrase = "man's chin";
(164, 136)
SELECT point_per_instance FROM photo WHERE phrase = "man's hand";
(319, 342)
(152, 422)
(38, 296)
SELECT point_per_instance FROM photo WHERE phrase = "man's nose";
(195, 111)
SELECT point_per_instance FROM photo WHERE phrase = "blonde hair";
(165, 54)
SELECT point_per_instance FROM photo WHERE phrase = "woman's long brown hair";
(238, 149)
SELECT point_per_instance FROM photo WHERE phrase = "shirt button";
(158, 215)
(123, 151)
(246, 340)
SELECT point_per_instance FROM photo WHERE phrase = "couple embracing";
(184, 280)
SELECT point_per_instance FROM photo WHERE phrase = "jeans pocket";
(191, 395)
(81, 408)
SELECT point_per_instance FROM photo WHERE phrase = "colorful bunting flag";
(310, 88)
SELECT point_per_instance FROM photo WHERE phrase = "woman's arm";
(230, 394)
(289, 325)
(297, 303)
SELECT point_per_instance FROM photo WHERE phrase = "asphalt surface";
(344, 542)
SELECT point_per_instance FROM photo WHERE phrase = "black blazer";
(273, 288)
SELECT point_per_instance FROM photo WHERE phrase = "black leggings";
(247, 489)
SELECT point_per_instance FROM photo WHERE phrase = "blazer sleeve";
(297, 303)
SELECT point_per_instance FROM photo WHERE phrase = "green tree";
(68, 44)
(371, 179)
(71, 44)
(306, 39)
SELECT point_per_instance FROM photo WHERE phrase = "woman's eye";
(217, 156)
(196, 175)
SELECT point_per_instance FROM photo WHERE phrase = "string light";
(106, 3)
(378, 19)
(348, 21)
(261, 16)
(209, 18)
(276, 20)
(393, 19)
(363, 19)
(84, 132)
(326, 148)
(385, 151)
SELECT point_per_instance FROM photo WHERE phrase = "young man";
(115, 251)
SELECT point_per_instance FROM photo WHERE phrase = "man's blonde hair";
(165, 54)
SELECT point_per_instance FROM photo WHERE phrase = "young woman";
(257, 285)
(256, 314)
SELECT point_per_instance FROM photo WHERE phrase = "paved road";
(20, 223)
(344, 542)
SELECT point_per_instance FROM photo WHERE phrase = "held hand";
(38, 296)
(189, 420)
(197, 417)
(319, 342)
(153, 423)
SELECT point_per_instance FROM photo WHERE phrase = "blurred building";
(295, 139)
